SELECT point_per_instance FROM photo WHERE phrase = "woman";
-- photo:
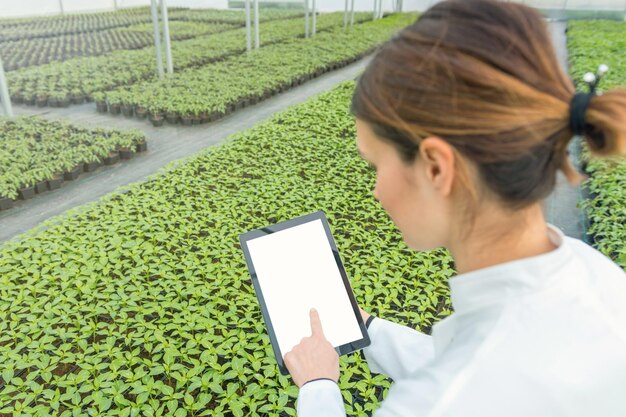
(466, 117)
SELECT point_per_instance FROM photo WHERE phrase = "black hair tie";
(578, 109)
(580, 101)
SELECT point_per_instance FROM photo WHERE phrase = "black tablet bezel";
(253, 234)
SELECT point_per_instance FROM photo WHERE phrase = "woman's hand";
(314, 357)
(364, 315)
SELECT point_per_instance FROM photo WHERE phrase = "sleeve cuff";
(369, 320)
(320, 397)
(396, 350)
(318, 379)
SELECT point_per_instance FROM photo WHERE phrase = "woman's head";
(477, 83)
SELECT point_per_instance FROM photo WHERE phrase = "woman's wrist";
(364, 315)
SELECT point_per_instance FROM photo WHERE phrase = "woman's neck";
(499, 236)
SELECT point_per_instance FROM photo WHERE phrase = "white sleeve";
(395, 350)
(320, 399)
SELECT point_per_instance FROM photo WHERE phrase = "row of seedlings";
(65, 83)
(42, 27)
(213, 91)
(37, 155)
(39, 51)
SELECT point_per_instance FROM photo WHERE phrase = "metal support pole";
(380, 9)
(61, 7)
(114, 4)
(248, 27)
(166, 36)
(5, 98)
(352, 13)
(345, 15)
(157, 37)
(375, 9)
(256, 24)
(306, 18)
(314, 23)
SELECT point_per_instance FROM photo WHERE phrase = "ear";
(438, 163)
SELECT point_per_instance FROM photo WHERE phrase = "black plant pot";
(172, 118)
(73, 174)
(26, 193)
(101, 106)
(142, 146)
(126, 153)
(187, 121)
(115, 109)
(141, 112)
(55, 183)
(157, 121)
(78, 99)
(5, 203)
(127, 110)
(112, 158)
(91, 166)
(41, 187)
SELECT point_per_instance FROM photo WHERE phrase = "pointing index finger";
(316, 323)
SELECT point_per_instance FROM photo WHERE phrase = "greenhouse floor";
(165, 144)
(170, 143)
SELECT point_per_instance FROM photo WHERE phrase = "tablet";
(295, 266)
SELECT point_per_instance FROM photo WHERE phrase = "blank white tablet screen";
(296, 271)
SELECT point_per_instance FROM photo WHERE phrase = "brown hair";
(482, 75)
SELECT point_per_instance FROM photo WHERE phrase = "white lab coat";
(539, 337)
